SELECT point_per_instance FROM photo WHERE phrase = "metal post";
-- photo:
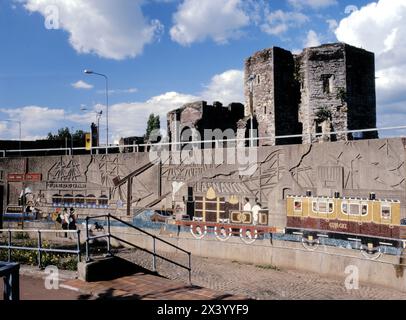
(190, 268)
(9, 246)
(108, 236)
(154, 256)
(15, 288)
(39, 248)
(87, 240)
(78, 235)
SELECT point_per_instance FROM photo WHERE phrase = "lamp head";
(86, 71)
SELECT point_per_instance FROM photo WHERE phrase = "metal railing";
(109, 235)
(137, 147)
(39, 248)
(11, 274)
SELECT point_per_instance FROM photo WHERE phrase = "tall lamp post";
(98, 116)
(107, 101)
(19, 127)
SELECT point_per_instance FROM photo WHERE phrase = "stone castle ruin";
(330, 88)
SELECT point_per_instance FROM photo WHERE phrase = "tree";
(153, 123)
(78, 137)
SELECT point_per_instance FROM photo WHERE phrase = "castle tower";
(271, 94)
(337, 86)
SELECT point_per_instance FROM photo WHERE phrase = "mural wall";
(88, 183)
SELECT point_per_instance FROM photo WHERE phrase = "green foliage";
(152, 124)
(342, 95)
(60, 260)
(323, 114)
(64, 133)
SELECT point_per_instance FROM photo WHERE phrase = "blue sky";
(160, 54)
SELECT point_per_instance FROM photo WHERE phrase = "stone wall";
(323, 89)
(353, 168)
(193, 118)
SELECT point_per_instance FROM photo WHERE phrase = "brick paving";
(261, 282)
(143, 286)
(33, 288)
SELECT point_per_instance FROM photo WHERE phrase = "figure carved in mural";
(65, 171)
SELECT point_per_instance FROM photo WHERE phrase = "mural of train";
(370, 222)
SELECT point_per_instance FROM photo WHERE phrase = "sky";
(161, 54)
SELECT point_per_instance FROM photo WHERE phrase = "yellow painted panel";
(376, 207)
(396, 214)
(289, 207)
(306, 207)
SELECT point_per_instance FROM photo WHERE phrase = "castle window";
(328, 83)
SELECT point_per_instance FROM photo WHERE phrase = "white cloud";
(136, 114)
(314, 4)
(380, 27)
(82, 85)
(312, 39)
(37, 121)
(111, 29)
(197, 20)
(278, 22)
(226, 87)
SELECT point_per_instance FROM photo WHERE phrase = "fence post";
(9, 246)
(108, 236)
(78, 235)
(39, 248)
(87, 240)
(154, 256)
(190, 268)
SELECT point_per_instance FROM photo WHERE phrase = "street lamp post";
(107, 101)
(98, 116)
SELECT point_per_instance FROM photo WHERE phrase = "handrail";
(10, 272)
(108, 235)
(39, 248)
(173, 143)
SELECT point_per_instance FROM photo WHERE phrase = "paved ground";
(33, 288)
(144, 286)
(223, 279)
(262, 282)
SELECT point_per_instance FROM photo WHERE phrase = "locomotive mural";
(225, 217)
(369, 223)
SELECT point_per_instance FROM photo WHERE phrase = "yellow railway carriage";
(369, 218)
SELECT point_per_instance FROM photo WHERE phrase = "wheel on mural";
(223, 233)
(248, 235)
(198, 231)
(371, 252)
(310, 243)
